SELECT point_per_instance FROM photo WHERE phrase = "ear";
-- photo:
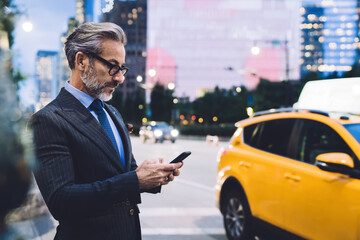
(81, 61)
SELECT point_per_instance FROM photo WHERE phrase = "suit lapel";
(80, 118)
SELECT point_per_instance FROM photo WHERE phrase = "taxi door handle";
(245, 164)
(292, 177)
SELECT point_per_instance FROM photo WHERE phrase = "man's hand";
(157, 172)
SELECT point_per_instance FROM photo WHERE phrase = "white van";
(341, 95)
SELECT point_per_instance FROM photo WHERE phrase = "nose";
(119, 77)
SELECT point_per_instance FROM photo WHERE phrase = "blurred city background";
(192, 62)
(199, 65)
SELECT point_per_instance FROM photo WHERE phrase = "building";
(198, 45)
(330, 41)
(312, 51)
(46, 77)
(131, 16)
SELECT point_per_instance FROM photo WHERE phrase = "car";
(158, 132)
(292, 173)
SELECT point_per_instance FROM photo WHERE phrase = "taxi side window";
(271, 136)
(316, 138)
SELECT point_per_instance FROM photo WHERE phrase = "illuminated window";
(308, 54)
(349, 32)
(312, 17)
(340, 32)
(332, 45)
(302, 11)
(322, 19)
(321, 39)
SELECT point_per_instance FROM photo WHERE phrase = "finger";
(166, 180)
(176, 172)
(169, 167)
(171, 177)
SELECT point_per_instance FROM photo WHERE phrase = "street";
(185, 209)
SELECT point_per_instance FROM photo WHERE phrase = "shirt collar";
(84, 98)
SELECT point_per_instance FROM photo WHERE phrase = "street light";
(255, 50)
(152, 72)
(27, 26)
(139, 78)
(171, 86)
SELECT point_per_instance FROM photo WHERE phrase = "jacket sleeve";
(55, 174)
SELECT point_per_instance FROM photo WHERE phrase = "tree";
(132, 108)
(227, 106)
(276, 94)
(8, 12)
(161, 103)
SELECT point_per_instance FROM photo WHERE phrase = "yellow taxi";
(293, 171)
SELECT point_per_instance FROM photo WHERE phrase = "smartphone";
(181, 157)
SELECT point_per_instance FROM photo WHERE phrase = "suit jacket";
(80, 175)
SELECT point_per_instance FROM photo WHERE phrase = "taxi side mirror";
(335, 158)
(338, 163)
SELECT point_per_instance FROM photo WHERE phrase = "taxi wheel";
(237, 216)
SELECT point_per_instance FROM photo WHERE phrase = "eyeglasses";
(113, 68)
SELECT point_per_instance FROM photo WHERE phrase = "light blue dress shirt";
(86, 100)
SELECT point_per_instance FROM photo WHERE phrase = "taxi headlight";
(158, 133)
(174, 133)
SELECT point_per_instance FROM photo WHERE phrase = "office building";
(330, 41)
(46, 77)
(132, 17)
(202, 44)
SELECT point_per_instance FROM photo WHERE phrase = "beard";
(96, 87)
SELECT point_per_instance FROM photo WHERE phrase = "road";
(184, 210)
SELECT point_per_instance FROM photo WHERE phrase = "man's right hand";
(154, 173)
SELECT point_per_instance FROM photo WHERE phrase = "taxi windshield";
(354, 129)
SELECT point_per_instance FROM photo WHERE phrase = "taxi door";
(319, 204)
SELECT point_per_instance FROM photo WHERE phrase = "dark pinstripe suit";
(80, 175)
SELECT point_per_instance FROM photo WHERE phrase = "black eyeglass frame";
(111, 66)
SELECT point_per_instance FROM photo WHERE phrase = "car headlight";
(174, 133)
(158, 133)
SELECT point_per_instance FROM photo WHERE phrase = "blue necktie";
(97, 106)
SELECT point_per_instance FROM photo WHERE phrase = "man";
(86, 171)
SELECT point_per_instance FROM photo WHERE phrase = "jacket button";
(132, 212)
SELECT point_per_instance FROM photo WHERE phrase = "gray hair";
(88, 37)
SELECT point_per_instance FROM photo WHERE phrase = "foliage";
(226, 105)
(276, 94)
(129, 108)
(161, 103)
(8, 12)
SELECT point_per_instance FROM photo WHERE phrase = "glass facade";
(46, 77)
(335, 25)
(132, 17)
(202, 44)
